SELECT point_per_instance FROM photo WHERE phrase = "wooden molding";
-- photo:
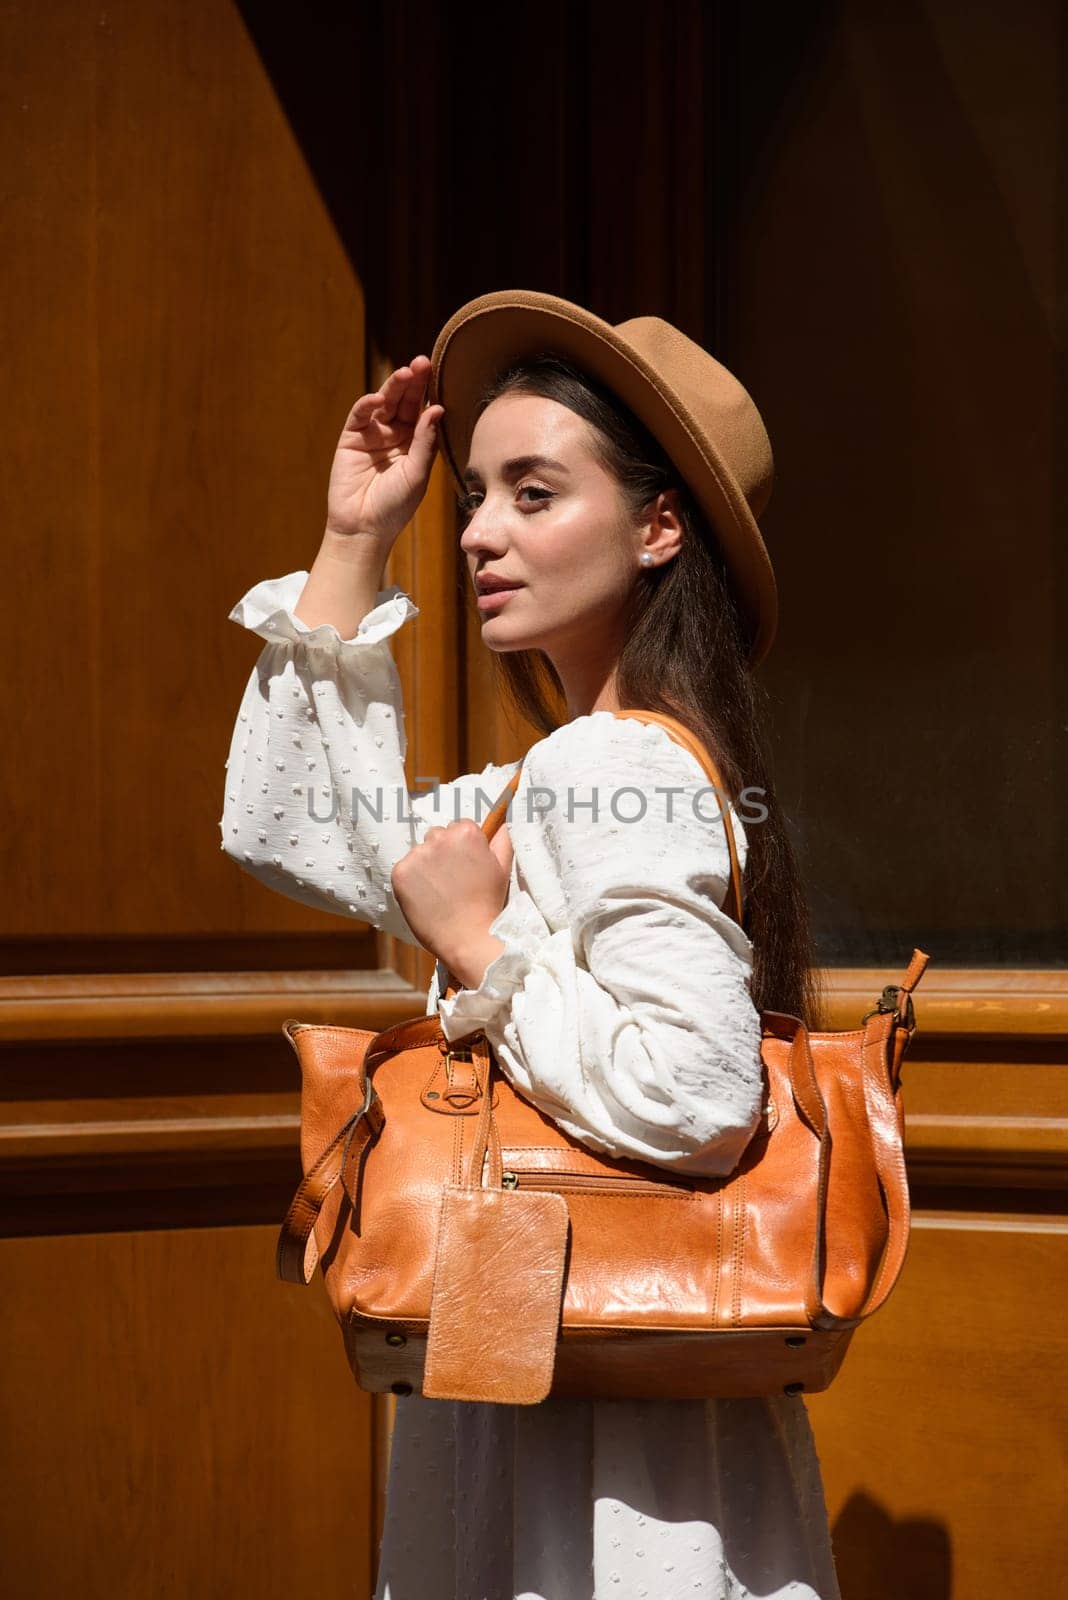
(978, 1117)
(966, 1003)
(961, 1002)
(987, 1151)
(165, 1005)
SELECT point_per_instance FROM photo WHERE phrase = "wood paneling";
(185, 335)
(175, 1421)
(225, 224)
(942, 1438)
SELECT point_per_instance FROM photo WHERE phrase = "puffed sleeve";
(316, 801)
(632, 1026)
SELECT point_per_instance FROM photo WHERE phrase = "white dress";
(620, 1006)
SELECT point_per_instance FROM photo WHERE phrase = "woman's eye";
(532, 488)
(466, 503)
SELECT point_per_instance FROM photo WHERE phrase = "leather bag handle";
(297, 1250)
(882, 1115)
(879, 1054)
(881, 1106)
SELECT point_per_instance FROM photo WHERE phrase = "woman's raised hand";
(384, 456)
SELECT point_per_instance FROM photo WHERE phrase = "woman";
(612, 478)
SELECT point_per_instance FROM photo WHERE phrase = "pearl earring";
(647, 558)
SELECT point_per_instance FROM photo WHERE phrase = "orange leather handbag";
(471, 1250)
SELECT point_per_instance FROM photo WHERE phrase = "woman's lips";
(495, 598)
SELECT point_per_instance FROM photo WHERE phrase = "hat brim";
(495, 330)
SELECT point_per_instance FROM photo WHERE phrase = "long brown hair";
(685, 654)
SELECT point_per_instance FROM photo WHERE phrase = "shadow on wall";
(878, 1557)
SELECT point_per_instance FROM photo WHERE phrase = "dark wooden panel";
(942, 1438)
(176, 1421)
(345, 946)
(184, 338)
(893, 260)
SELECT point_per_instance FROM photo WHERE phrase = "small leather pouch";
(498, 1290)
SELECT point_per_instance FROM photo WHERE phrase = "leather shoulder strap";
(734, 902)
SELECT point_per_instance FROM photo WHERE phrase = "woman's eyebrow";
(517, 466)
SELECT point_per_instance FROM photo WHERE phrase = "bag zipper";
(590, 1183)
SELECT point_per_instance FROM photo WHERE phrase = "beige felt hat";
(697, 411)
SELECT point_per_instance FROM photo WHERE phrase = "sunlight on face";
(557, 527)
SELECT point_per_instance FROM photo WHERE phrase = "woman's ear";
(662, 533)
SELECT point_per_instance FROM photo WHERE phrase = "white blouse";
(620, 1006)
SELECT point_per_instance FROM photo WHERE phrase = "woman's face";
(544, 514)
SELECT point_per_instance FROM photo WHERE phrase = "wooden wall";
(184, 324)
(224, 224)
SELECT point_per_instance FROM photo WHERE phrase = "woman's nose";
(480, 533)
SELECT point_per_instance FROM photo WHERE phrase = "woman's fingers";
(398, 387)
(410, 402)
(424, 441)
(400, 398)
(362, 413)
(364, 408)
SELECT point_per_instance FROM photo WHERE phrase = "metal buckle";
(889, 1001)
(466, 1055)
